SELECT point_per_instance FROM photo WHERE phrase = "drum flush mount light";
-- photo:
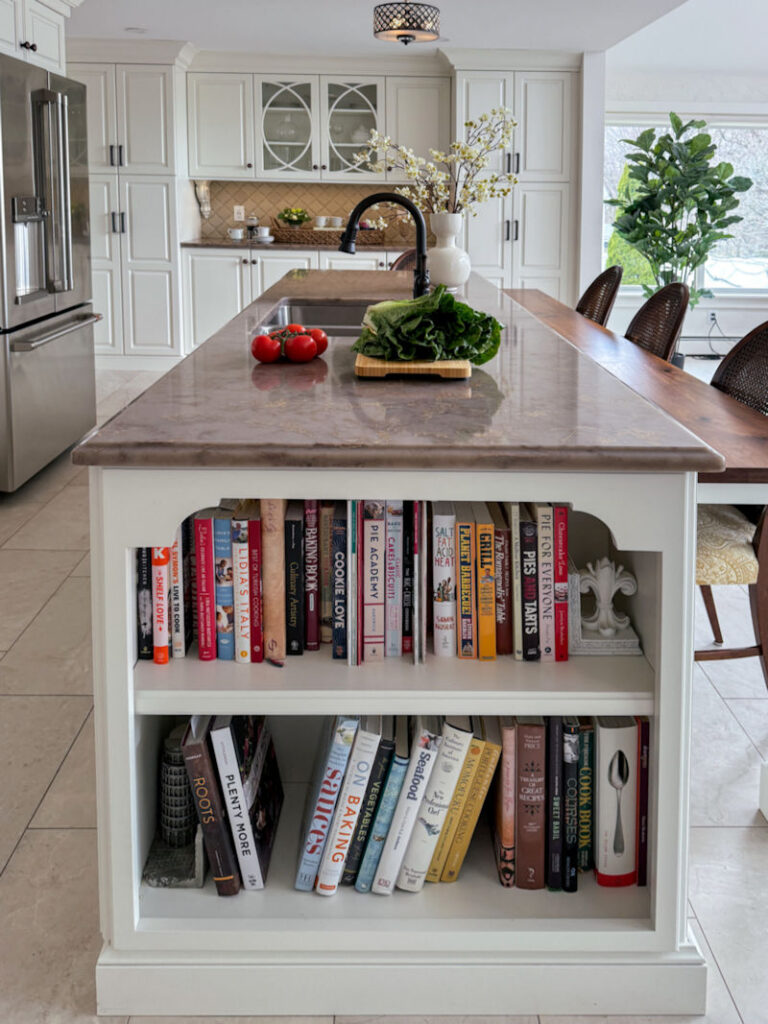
(406, 22)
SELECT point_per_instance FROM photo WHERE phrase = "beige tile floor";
(48, 899)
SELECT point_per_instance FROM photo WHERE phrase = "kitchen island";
(541, 422)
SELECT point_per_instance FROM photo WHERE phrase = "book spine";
(339, 562)
(486, 593)
(188, 580)
(555, 802)
(210, 811)
(570, 806)
(225, 591)
(444, 585)
(352, 557)
(505, 808)
(418, 572)
(421, 622)
(586, 796)
(178, 618)
(453, 817)
(373, 592)
(326, 582)
(193, 577)
(294, 587)
(643, 747)
(546, 577)
(408, 577)
(471, 812)
(375, 784)
(530, 809)
(254, 585)
(206, 597)
(616, 805)
(161, 592)
(466, 611)
(273, 577)
(561, 583)
(360, 611)
(242, 589)
(502, 560)
(517, 579)
(438, 794)
(311, 575)
(144, 603)
(393, 589)
(381, 823)
(345, 819)
(530, 591)
(420, 767)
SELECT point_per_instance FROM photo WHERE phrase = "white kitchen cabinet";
(288, 127)
(220, 124)
(347, 261)
(275, 264)
(43, 29)
(101, 107)
(350, 109)
(546, 118)
(216, 287)
(418, 113)
(542, 217)
(105, 263)
(8, 28)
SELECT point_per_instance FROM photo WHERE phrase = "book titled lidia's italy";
(444, 578)
(242, 590)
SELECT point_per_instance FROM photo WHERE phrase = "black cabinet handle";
(114, 224)
(517, 163)
(111, 156)
(28, 46)
(120, 161)
(122, 223)
(507, 231)
(509, 163)
(516, 235)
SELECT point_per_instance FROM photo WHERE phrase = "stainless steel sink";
(336, 319)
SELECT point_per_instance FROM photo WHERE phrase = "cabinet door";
(145, 119)
(99, 79)
(349, 110)
(418, 115)
(45, 29)
(478, 92)
(9, 41)
(357, 261)
(541, 250)
(105, 262)
(216, 287)
(392, 256)
(545, 125)
(287, 123)
(276, 264)
(220, 124)
(150, 266)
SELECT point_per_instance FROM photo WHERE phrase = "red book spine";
(254, 579)
(311, 576)
(561, 583)
(503, 557)
(643, 746)
(161, 588)
(206, 598)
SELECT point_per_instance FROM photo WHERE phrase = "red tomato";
(300, 348)
(265, 348)
(320, 338)
(294, 328)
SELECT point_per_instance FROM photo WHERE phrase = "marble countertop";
(538, 405)
(325, 240)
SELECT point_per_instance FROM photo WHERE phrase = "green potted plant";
(678, 203)
(294, 216)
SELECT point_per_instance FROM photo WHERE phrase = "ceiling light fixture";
(406, 22)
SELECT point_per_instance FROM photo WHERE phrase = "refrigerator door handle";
(30, 346)
(62, 139)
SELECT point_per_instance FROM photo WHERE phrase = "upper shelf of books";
(539, 404)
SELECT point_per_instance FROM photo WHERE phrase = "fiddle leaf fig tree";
(680, 202)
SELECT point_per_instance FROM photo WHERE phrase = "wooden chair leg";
(709, 604)
(758, 603)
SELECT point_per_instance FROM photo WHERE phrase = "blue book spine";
(225, 590)
(380, 827)
(339, 571)
(323, 803)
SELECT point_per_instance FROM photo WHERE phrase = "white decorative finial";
(605, 580)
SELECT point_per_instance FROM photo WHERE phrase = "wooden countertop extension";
(538, 405)
(739, 433)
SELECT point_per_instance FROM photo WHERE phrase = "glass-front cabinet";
(351, 109)
(287, 123)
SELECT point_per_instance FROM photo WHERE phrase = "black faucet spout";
(420, 273)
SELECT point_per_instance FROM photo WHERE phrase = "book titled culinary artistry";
(294, 578)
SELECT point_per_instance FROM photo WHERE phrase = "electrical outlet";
(712, 316)
(239, 213)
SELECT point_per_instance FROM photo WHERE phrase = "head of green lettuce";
(434, 326)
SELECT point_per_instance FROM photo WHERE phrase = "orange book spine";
(486, 591)
(161, 590)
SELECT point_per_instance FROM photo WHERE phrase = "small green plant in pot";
(680, 202)
(294, 216)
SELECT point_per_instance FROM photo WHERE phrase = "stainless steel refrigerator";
(47, 383)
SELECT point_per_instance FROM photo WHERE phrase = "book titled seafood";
(374, 535)
(224, 584)
(393, 588)
(444, 578)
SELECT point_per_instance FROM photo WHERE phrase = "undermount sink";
(336, 319)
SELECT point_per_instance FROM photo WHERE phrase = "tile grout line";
(45, 793)
(40, 509)
(730, 712)
(34, 619)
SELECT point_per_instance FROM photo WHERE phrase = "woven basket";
(312, 238)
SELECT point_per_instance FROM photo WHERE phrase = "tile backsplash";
(265, 200)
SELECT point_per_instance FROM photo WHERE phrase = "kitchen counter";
(539, 405)
(331, 243)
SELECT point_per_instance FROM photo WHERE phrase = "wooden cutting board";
(365, 366)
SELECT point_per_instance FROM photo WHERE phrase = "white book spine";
(393, 590)
(347, 811)
(374, 545)
(241, 571)
(517, 584)
(616, 803)
(161, 592)
(438, 795)
(423, 756)
(177, 598)
(545, 518)
(444, 584)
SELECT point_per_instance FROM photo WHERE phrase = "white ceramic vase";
(447, 263)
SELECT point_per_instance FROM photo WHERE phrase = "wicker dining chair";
(731, 549)
(597, 301)
(405, 261)
(657, 324)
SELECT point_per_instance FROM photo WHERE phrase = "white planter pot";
(447, 263)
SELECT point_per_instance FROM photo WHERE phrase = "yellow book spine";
(463, 786)
(466, 603)
(472, 808)
(486, 592)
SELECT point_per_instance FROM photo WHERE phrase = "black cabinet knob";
(254, 262)
(323, 167)
(315, 167)
(249, 165)
(33, 46)
(245, 262)
(381, 263)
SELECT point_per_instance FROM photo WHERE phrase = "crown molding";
(296, 64)
(512, 60)
(130, 51)
(64, 7)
